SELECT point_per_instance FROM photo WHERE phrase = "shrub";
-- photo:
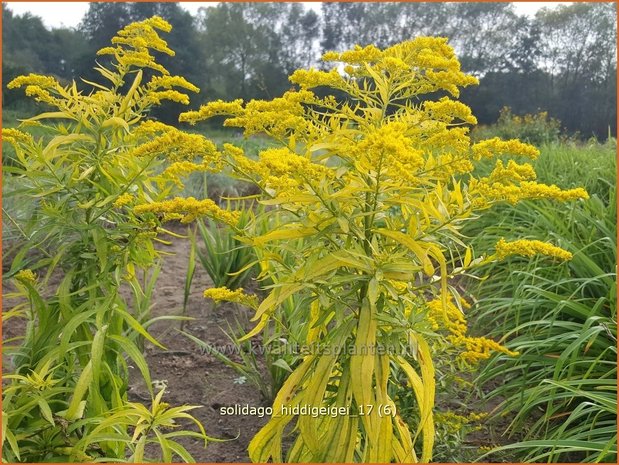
(67, 397)
(367, 194)
(538, 128)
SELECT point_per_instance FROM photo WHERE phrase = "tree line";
(562, 61)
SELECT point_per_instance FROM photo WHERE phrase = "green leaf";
(136, 326)
(46, 412)
(76, 406)
(281, 363)
(128, 347)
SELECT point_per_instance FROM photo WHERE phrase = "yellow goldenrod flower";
(180, 146)
(157, 22)
(533, 190)
(527, 190)
(530, 248)
(283, 162)
(447, 110)
(122, 200)
(26, 276)
(388, 150)
(155, 98)
(211, 109)
(393, 65)
(134, 42)
(108, 51)
(140, 60)
(44, 82)
(497, 147)
(308, 79)
(142, 35)
(452, 319)
(147, 129)
(41, 95)
(451, 421)
(512, 172)
(478, 416)
(168, 82)
(219, 294)
(355, 56)
(180, 169)
(191, 209)
(15, 136)
(244, 164)
(478, 348)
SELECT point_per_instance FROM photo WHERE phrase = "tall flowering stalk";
(373, 177)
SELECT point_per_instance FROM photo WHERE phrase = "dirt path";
(193, 377)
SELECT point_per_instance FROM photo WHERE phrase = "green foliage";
(249, 367)
(228, 261)
(592, 166)
(282, 338)
(28, 46)
(561, 390)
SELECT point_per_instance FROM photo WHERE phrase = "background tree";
(236, 45)
(563, 60)
(578, 44)
(27, 46)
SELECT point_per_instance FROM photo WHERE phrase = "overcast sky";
(69, 14)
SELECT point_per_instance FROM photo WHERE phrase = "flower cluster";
(388, 148)
(357, 55)
(188, 209)
(39, 87)
(530, 248)
(155, 98)
(512, 172)
(278, 118)
(15, 136)
(485, 192)
(453, 422)
(178, 170)
(134, 42)
(496, 147)
(283, 162)
(451, 318)
(26, 276)
(426, 64)
(169, 82)
(211, 109)
(177, 146)
(122, 200)
(219, 294)
(309, 79)
(447, 110)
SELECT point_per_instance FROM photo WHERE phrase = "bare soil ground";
(192, 376)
